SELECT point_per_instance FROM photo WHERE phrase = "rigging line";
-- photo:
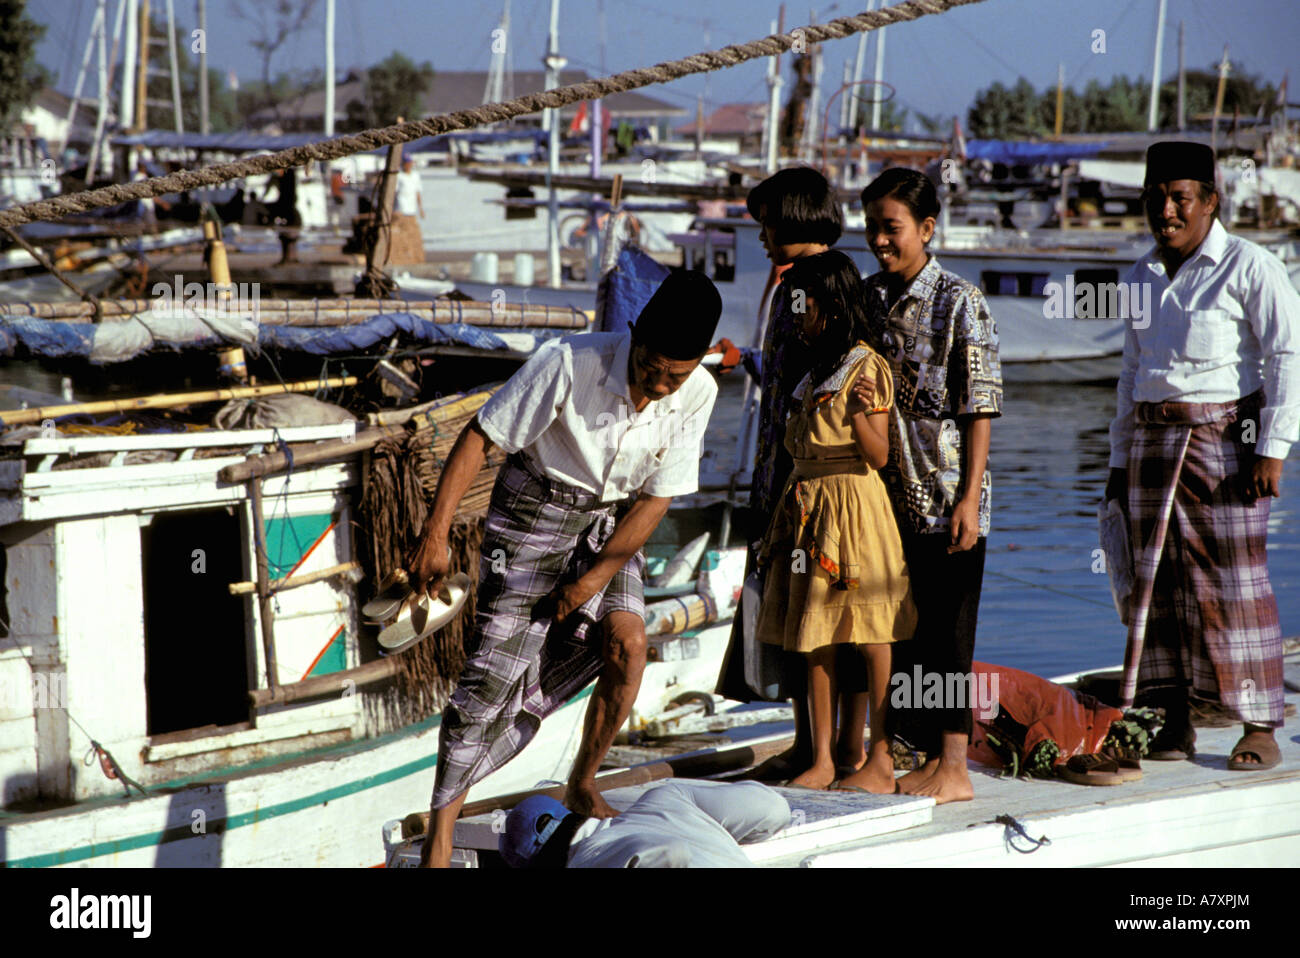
(367, 140)
(1114, 28)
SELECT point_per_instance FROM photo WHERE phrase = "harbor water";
(1043, 608)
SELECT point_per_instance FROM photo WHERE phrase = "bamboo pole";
(293, 582)
(18, 417)
(328, 312)
(265, 609)
(304, 454)
(686, 766)
(323, 685)
(311, 453)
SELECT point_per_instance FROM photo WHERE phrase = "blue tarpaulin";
(1028, 153)
(117, 341)
(628, 287)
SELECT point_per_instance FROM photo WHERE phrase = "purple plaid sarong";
(1203, 613)
(519, 669)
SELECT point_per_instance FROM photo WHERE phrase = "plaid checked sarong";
(519, 669)
(1203, 613)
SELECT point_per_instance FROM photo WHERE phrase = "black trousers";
(947, 592)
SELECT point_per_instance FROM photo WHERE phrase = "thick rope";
(367, 140)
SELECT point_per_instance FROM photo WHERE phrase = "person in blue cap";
(679, 824)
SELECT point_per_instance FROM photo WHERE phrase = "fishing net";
(400, 480)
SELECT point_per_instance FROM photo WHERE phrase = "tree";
(1119, 106)
(394, 87)
(21, 77)
(276, 22)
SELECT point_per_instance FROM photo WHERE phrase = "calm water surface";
(1042, 608)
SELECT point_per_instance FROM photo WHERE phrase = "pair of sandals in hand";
(413, 617)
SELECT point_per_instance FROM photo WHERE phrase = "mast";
(204, 126)
(127, 112)
(142, 72)
(877, 102)
(105, 81)
(858, 62)
(773, 119)
(597, 106)
(1218, 98)
(1154, 108)
(1060, 97)
(1182, 82)
(178, 118)
(554, 64)
(96, 28)
(329, 68)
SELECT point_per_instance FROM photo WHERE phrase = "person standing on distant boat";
(835, 576)
(1208, 410)
(409, 200)
(942, 345)
(603, 429)
(799, 214)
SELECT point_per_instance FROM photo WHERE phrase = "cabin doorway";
(196, 644)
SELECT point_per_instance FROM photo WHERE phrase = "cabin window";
(195, 635)
(1013, 283)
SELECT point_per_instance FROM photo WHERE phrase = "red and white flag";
(580, 123)
(958, 140)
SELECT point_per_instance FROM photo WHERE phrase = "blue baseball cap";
(529, 826)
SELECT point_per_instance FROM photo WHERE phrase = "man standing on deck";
(408, 200)
(1209, 407)
(603, 429)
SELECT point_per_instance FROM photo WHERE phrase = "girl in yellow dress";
(836, 572)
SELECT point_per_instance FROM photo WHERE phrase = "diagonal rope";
(373, 139)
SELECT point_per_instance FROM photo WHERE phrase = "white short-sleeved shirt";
(570, 410)
(1227, 325)
(407, 198)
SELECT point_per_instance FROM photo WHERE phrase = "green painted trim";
(68, 856)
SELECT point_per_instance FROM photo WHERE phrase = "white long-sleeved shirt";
(569, 407)
(1227, 325)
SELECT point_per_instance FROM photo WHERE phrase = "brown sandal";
(1270, 756)
(1091, 770)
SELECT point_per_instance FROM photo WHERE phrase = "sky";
(936, 64)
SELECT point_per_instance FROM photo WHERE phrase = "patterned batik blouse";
(942, 347)
(786, 361)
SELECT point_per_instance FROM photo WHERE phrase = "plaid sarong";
(1203, 613)
(519, 669)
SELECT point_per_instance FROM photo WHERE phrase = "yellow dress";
(834, 559)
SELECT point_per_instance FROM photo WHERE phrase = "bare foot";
(587, 800)
(819, 776)
(851, 760)
(909, 783)
(949, 782)
(876, 776)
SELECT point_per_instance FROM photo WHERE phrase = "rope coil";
(367, 140)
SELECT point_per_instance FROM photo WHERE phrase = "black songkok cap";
(1179, 160)
(681, 317)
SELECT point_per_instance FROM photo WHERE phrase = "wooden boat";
(122, 629)
(1189, 814)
